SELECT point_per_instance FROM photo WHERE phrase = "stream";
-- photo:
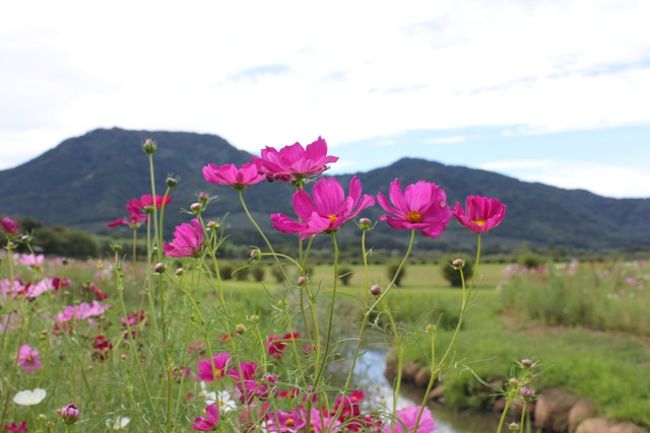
(369, 376)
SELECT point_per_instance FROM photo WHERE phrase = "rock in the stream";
(602, 424)
(580, 411)
(552, 410)
(409, 371)
(422, 377)
(437, 393)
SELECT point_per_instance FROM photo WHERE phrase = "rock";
(422, 377)
(625, 427)
(390, 371)
(580, 411)
(593, 425)
(552, 410)
(409, 371)
(437, 393)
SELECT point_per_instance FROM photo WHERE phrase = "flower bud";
(513, 381)
(458, 263)
(365, 223)
(203, 197)
(526, 392)
(212, 225)
(69, 414)
(513, 426)
(149, 146)
(148, 209)
(179, 272)
(302, 280)
(196, 208)
(253, 318)
(430, 328)
(255, 254)
(527, 363)
(171, 181)
(270, 378)
(375, 289)
(159, 268)
(240, 328)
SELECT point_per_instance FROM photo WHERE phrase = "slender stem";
(330, 314)
(502, 420)
(155, 208)
(523, 417)
(133, 242)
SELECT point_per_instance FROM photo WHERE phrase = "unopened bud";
(253, 318)
(513, 381)
(513, 426)
(171, 181)
(430, 328)
(240, 328)
(196, 207)
(527, 363)
(179, 272)
(212, 225)
(302, 280)
(159, 268)
(69, 414)
(365, 223)
(458, 263)
(255, 254)
(203, 197)
(526, 392)
(375, 289)
(148, 209)
(149, 146)
(270, 378)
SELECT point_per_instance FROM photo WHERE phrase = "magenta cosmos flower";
(327, 211)
(480, 214)
(294, 163)
(406, 420)
(29, 359)
(161, 201)
(188, 240)
(230, 175)
(422, 206)
(210, 370)
(9, 226)
(210, 421)
(285, 422)
(136, 215)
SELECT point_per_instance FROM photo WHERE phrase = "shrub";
(345, 275)
(258, 273)
(452, 275)
(226, 270)
(391, 271)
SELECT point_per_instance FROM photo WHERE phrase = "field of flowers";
(169, 346)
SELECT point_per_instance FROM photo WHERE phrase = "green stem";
(155, 209)
(523, 417)
(330, 314)
(502, 420)
(133, 247)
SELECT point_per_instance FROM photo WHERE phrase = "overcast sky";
(557, 92)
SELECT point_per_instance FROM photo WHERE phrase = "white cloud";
(450, 139)
(600, 178)
(344, 70)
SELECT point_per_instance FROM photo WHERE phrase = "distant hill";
(85, 182)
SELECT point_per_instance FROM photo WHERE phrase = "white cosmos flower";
(30, 398)
(225, 401)
(118, 423)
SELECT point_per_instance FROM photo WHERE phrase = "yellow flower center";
(218, 373)
(414, 217)
(332, 218)
(290, 422)
(479, 223)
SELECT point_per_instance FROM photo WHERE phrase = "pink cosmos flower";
(285, 422)
(136, 214)
(16, 428)
(205, 367)
(276, 344)
(82, 311)
(34, 290)
(69, 413)
(230, 175)
(161, 201)
(321, 422)
(422, 206)
(9, 226)
(294, 163)
(188, 240)
(481, 213)
(327, 211)
(210, 421)
(406, 418)
(29, 359)
(31, 259)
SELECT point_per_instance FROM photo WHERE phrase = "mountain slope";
(85, 182)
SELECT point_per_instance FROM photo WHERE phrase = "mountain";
(85, 182)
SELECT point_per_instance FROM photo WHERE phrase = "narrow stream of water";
(369, 375)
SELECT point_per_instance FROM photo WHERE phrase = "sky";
(555, 92)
